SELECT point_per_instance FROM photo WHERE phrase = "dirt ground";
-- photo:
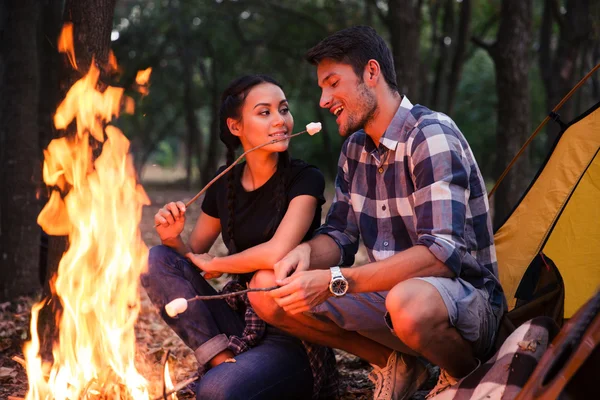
(154, 337)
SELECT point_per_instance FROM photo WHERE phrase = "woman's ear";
(372, 72)
(234, 126)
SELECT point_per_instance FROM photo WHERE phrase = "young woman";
(263, 207)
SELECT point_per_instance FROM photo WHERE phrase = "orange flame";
(143, 77)
(98, 276)
(65, 43)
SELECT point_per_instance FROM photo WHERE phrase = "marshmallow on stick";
(313, 128)
(176, 307)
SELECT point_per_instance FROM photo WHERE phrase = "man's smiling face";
(345, 95)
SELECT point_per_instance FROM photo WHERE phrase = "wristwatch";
(338, 284)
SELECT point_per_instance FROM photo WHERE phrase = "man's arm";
(415, 262)
(306, 289)
(441, 179)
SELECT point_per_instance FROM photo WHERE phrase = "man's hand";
(170, 220)
(302, 291)
(295, 261)
(202, 261)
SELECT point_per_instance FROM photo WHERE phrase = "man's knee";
(417, 310)
(262, 302)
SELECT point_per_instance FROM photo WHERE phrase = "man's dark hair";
(355, 46)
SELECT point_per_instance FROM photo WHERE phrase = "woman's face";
(265, 116)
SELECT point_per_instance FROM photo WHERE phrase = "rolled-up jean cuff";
(209, 349)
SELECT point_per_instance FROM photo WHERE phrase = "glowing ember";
(98, 276)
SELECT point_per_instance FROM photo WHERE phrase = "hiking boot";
(399, 379)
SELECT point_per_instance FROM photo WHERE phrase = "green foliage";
(165, 154)
(476, 105)
(222, 39)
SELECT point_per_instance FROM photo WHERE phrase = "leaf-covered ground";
(154, 337)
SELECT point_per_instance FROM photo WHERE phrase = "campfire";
(96, 201)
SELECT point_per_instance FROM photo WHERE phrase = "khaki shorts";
(469, 311)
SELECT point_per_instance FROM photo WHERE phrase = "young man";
(408, 184)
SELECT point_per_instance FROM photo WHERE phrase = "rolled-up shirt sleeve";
(340, 223)
(440, 174)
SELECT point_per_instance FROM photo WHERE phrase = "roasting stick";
(179, 305)
(311, 128)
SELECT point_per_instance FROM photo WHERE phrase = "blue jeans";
(277, 368)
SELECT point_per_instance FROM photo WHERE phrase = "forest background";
(497, 67)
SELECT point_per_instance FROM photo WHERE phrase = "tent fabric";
(575, 240)
(552, 210)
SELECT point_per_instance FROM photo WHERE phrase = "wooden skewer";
(231, 294)
(209, 184)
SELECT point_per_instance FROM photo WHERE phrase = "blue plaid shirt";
(421, 186)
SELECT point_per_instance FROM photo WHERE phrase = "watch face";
(339, 286)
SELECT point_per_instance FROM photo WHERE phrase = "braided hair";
(232, 101)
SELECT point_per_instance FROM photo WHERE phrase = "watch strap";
(336, 272)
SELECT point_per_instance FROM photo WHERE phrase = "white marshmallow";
(176, 307)
(313, 128)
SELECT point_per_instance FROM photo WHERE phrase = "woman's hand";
(202, 261)
(170, 220)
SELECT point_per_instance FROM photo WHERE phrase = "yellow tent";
(559, 215)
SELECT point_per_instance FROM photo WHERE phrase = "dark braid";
(230, 201)
(232, 101)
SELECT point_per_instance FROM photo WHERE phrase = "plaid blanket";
(505, 374)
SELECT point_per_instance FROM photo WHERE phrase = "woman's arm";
(204, 234)
(289, 234)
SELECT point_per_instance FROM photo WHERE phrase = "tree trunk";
(425, 65)
(559, 67)
(511, 58)
(442, 61)
(191, 125)
(187, 60)
(404, 23)
(49, 67)
(20, 157)
(464, 31)
(92, 26)
(211, 158)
